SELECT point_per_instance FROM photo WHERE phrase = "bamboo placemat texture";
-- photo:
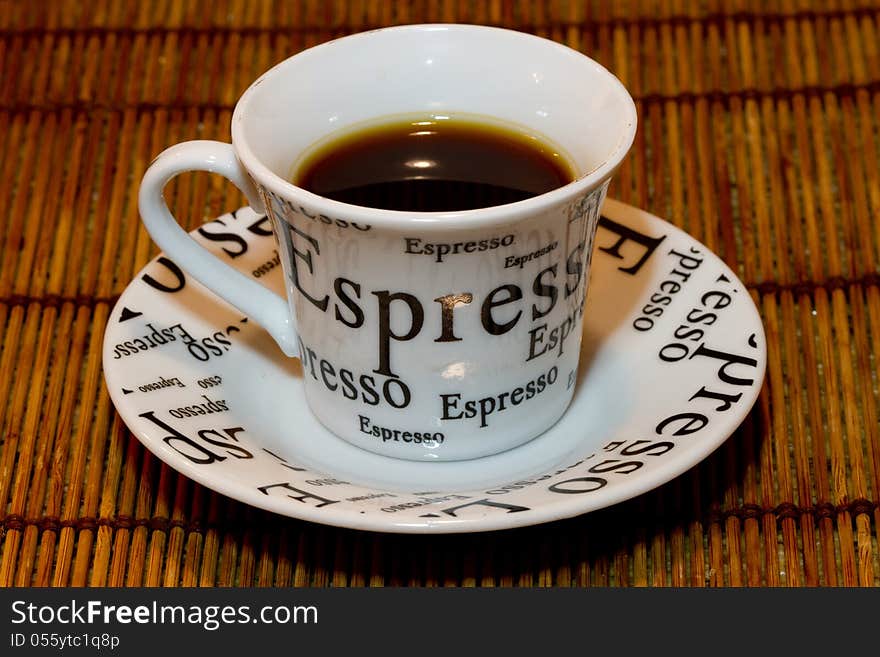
(759, 134)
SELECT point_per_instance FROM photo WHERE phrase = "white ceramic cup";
(422, 335)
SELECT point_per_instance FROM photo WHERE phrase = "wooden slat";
(759, 134)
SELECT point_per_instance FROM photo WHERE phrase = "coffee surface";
(433, 164)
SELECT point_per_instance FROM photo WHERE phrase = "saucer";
(672, 360)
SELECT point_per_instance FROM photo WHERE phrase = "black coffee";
(432, 165)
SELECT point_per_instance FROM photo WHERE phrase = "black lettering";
(673, 352)
(684, 276)
(283, 462)
(516, 396)
(614, 465)
(348, 389)
(723, 299)
(514, 293)
(306, 257)
(536, 337)
(417, 318)
(574, 267)
(311, 358)
(647, 447)
(729, 360)
(726, 400)
(627, 234)
(686, 261)
(447, 309)
(327, 371)
(543, 290)
(368, 384)
(210, 346)
(693, 422)
(404, 393)
(685, 332)
(236, 451)
(199, 455)
(510, 508)
(450, 402)
(156, 335)
(174, 269)
(698, 316)
(590, 484)
(213, 406)
(358, 320)
(259, 227)
(301, 495)
(229, 238)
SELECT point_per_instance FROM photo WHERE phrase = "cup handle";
(263, 306)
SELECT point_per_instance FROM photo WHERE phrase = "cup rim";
(475, 217)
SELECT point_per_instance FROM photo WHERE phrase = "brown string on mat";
(758, 135)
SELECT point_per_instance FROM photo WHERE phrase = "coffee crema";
(435, 163)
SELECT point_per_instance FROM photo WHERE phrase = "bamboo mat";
(759, 134)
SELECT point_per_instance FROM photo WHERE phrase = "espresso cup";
(422, 335)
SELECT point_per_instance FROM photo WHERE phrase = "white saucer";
(616, 440)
